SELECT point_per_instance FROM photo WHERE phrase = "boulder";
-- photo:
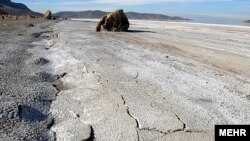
(114, 21)
(31, 25)
(47, 15)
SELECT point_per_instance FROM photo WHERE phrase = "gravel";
(25, 83)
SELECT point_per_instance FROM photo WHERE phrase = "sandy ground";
(161, 81)
(26, 89)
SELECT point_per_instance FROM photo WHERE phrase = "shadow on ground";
(140, 31)
(30, 114)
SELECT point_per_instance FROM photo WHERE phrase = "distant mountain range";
(8, 7)
(247, 21)
(97, 14)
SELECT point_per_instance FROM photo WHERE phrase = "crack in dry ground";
(138, 127)
(58, 84)
(136, 120)
(184, 124)
(92, 134)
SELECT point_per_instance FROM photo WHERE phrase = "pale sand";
(163, 81)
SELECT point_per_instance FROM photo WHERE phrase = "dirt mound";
(115, 21)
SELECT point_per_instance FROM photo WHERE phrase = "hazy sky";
(209, 9)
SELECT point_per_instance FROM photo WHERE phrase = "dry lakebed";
(161, 81)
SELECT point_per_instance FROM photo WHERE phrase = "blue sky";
(231, 10)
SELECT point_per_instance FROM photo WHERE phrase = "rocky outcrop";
(115, 21)
(48, 15)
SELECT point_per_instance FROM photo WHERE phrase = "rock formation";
(47, 15)
(115, 21)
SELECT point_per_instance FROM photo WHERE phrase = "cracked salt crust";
(135, 92)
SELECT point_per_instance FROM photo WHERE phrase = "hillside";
(247, 21)
(134, 15)
(81, 14)
(6, 6)
(131, 15)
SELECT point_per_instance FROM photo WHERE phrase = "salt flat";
(161, 81)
